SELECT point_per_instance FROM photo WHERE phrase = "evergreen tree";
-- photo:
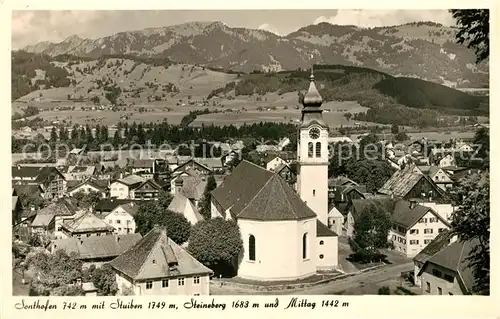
(204, 206)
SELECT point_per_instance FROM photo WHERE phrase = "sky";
(30, 27)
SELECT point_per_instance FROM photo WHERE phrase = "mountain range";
(423, 50)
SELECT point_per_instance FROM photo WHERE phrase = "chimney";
(412, 203)
(121, 175)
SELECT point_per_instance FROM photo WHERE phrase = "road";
(364, 283)
(376, 278)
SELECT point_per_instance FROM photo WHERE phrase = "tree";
(86, 200)
(150, 214)
(103, 279)
(401, 137)
(53, 135)
(394, 129)
(348, 116)
(204, 205)
(54, 274)
(470, 222)
(371, 230)
(384, 290)
(217, 244)
(474, 30)
(482, 142)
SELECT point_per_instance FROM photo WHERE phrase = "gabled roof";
(179, 203)
(97, 246)
(253, 192)
(131, 180)
(101, 185)
(190, 164)
(62, 207)
(157, 256)
(454, 257)
(42, 220)
(437, 244)
(403, 181)
(143, 163)
(131, 208)
(87, 222)
(109, 204)
(15, 200)
(407, 215)
(150, 182)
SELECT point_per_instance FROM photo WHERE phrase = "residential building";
(335, 220)
(448, 272)
(107, 205)
(446, 161)
(79, 173)
(144, 168)
(147, 190)
(194, 165)
(50, 180)
(158, 266)
(96, 250)
(49, 220)
(274, 163)
(288, 172)
(414, 226)
(90, 185)
(122, 187)
(86, 225)
(17, 209)
(438, 176)
(122, 218)
(183, 205)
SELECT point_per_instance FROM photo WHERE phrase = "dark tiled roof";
(97, 246)
(406, 216)
(62, 207)
(157, 256)
(130, 208)
(276, 200)
(323, 231)
(25, 171)
(454, 257)
(403, 181)
(437, 244)
(109, 204)
(143, 163)
(239, 188)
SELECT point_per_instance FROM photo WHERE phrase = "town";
(295, 207)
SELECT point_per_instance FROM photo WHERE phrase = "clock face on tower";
(314, 133)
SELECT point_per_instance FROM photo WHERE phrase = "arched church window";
(304, 246)
(251, 248)
(314, 192)
(318, 149)
(310, 150)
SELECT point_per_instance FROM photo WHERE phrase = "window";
(196, 279)
(118, 221)
(251, 248)
(314, 192)
(393, 237)
(304, 246)
(448, 278)
(180, 281)
(413, 242)
(196, 294)
(440, 291)
(321, 242)
(426, 241)
(154, 261)
(321, 256)
(423, 220)
(414, 231)
(436, 273)
(428, 288)
(88, 235)
(433, 220)
(149, 284)
(318, 149)
(164, 283)
(310, 150)
(428, 231)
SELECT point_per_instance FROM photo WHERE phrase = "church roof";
(323, 231)
(311, 112)
(252, 192)
(312, 97)
(157, 256)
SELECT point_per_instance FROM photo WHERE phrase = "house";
(414, 226)
(442, 240)
(79, 173)
(183, 205)
(49, 220)
(122, 187)
(157, 266)
(96, 250)
(86, 225)
(90, 185)
(214, 163)
(107, 205)
(410, 183)
(287, 173)
(448, 271)
(50, 180)
(438, 175)
(147, 190)
(122, 218)
(335, 220)
(190, 184)
(144, 168)
(274, 163)
(446, 161)
(194, 165)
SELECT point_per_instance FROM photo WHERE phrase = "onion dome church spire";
(311, 111)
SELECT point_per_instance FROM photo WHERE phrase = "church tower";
(312, 153)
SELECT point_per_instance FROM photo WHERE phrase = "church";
(285, 233)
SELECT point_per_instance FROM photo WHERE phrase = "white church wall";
(314, 189)
(327, 252)
(278, 249)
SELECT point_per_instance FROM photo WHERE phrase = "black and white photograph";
(250, 152)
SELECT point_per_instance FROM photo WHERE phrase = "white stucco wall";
(328, 248)
(277, 161)
(118, 190)
(278, 253)
(190, 286)
(121, 221)
(314, 189)
(423, 239)
(86, 189)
